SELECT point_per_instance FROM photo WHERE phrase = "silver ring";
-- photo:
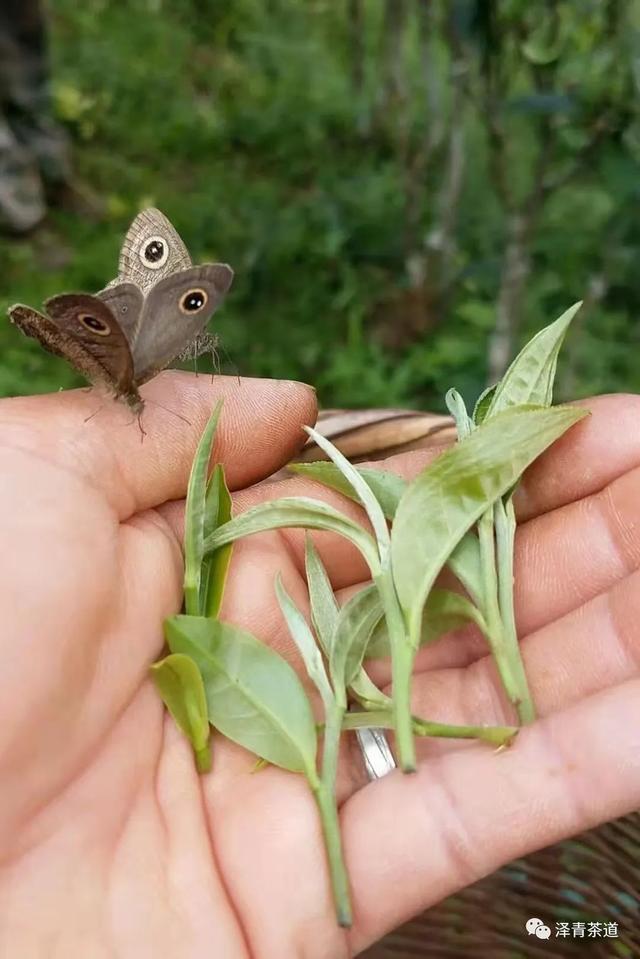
(376, 752)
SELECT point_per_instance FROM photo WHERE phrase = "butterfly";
(157, 306)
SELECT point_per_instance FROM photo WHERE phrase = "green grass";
(242, 126)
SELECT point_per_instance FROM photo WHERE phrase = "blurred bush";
(406, 189)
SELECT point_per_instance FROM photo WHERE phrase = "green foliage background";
(296, 142)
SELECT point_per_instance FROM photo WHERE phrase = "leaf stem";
(383, 719)
(203, 759)
(191, 592)
(324, 793)
(401, 666)
(505, 651)
(505, 526)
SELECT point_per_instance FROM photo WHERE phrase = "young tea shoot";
(457, 512)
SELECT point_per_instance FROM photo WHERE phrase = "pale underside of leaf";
(292, 512)
(387, 487)
(324, 608)
(357, 618)
(363, 492)
(254, 697)
(305, 643)
(444, 611)
(457, 408)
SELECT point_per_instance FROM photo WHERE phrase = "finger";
(271, 818)
(572, 554)
(412, 840)
(260, 429)
(593, 453)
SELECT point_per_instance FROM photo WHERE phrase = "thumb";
(260, 430)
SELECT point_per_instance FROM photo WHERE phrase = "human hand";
(110, 841)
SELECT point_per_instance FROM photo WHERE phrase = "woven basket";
(593, 878)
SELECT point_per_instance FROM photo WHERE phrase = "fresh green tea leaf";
(306, 643)
(254, 697)
(529, 379)
(215, 565)
(387, 487)
(465, 563)
(457, 408)
(194, 515)
(357, 618)
(443, 612)
(446, 611)
(444, 501)
(179, 682)
(367, 693)
(361, 489)
(324, 608)
(295, 512)
(218, 502)
(483, 403)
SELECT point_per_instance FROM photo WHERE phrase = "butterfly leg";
(95, 412)
(203, 343)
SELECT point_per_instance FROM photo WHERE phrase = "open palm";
(111, 845)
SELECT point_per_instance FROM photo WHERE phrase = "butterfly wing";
(125, 300)
(82, 329)
(92, 327)
(175, 312)
(152, 250)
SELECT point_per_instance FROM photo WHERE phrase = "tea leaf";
(254, 697)
(366, 691)
(444, 501)
(215, 565)
(465, 563)
(356, 620)
(387, 487)
(362, 490)
(446, 611)
(443, 612)
(457, 408)
(530, 377)
(306, 644)
(179, 682)
(294, 512)
(483, 403)
(324, 615)
(194, 515)
(324, 608)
